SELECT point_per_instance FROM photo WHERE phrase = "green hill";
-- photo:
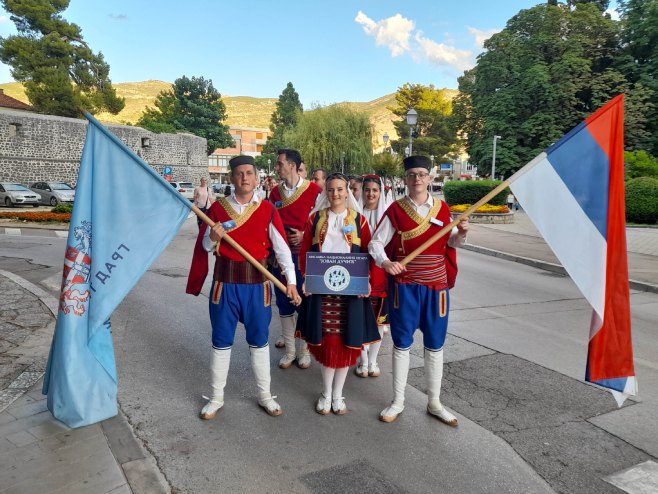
(243, 111)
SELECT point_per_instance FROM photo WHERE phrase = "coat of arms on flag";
(77, 267)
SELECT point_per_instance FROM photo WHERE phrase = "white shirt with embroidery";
(384, 232)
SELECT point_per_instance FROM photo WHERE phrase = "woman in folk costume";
(374, 203)
(335, 327)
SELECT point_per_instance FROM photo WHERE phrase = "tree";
(331, 136)
(435, 133)
(191, 105)
(550, 68)
(285, 116)
(61, 74)
(640, 164)
(387, 164)
(639, 59)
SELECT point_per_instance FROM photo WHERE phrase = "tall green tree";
(61, 74)
(435, 133)
(191, 105)
(639, 61)
(285, 117)
(333, 136)
(552, 66)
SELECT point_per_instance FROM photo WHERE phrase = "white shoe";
(286, 361)
(338, 406)
(324, 405)
(391, 413)
(279, 342)
(373, 370)
(361, 370)
(211, 408)
(439, 411)
(270, 405)
(304, 361)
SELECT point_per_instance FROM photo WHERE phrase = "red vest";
(437, 265)
(294, 210)
(251, 233)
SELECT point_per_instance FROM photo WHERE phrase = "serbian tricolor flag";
(574, 194)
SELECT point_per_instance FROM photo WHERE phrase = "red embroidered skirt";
(333, 352)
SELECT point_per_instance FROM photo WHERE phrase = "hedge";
(642, 200)
(471, 191)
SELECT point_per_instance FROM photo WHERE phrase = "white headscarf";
(385, 201)
(322, 201)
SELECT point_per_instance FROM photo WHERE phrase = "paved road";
(516, 353)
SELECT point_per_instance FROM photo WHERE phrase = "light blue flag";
(124, 216)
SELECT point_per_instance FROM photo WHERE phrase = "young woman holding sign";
(335, 327)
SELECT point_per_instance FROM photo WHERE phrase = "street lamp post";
(432, 160)
(412, 119)
(493, 159)
(269, 162)
(385, 140)
(342, 162)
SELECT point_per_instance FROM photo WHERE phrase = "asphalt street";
(515, 363)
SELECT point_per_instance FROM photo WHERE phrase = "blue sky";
(331, 51)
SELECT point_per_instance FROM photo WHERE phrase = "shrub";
(472, 191)
(62, 208)
(642, 200)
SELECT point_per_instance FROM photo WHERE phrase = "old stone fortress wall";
(36, 148)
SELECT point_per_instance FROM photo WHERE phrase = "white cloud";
(481, 36)
(394, 32)
(444, 55)
(4, 19)
(614, 15)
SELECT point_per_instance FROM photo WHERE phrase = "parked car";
(54, 193)
(185, 188)
(15, 194)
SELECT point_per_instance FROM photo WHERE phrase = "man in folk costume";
(240, 293)
(418, 293)
(294, 199)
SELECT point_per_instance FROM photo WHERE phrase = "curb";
(34, 226)
(642, 286)
(138, 466)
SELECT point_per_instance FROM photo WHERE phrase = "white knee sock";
(364, 355)
(373, 348)
(288, 332)
(327, 380)
(219, 364)
(339, 381)
(260, 363)
(400, 373)
(433, 376)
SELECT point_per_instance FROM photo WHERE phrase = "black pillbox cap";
(241, 160)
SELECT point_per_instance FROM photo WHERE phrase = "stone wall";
(37, 148)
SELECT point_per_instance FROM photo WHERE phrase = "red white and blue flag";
(574, 194)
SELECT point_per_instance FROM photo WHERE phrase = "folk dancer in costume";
(240, 293)
(335, 327)
(374, 203)
(294, 198)
(418, 294)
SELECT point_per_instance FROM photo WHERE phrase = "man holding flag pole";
(582, 177)
(241, 291)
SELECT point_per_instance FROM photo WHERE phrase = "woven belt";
(229, 271)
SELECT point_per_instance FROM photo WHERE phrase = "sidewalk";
(37, 452)
(521, 242)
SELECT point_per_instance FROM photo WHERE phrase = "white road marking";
(61, 233)
(13, 231)
(639, 479)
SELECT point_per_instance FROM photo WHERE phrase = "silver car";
(54, 193)
(16, 194)
(185, 188)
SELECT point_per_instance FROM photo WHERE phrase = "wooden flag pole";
(243, 252)
(454, 223)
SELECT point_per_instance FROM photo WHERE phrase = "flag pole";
(502, 186)
(243, 252)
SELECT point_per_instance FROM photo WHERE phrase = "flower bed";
(487, 214)
(487, 208)
(37, 216)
